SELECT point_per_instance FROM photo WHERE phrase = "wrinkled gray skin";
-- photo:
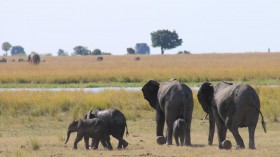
(230, 106)
(89, 128)
(34, 58)
(179, 128)
(171, 100)
(115, 122)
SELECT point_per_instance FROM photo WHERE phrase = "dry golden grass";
(187, 68)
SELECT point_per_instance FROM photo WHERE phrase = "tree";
(130, 51)
(165, 39)
(81, 50)
(17, 50)
(96, 52)
(142, 48)
(6, 47)
(62, 53)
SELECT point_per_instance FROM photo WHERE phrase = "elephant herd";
(229, 107)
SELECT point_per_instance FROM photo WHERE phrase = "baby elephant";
(179, 130)
(89, 128)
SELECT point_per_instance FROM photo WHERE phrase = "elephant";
(3, 60)
(115, 121)
(34, 58)
(99, 58)
(179, 128)
(231, 106)
(171, 100)
(89, 128)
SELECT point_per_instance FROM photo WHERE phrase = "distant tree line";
(164, 39)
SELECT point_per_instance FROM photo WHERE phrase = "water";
(92, 90)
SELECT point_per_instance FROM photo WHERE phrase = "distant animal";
(3, 60)
(179, 131)
(13, 60)
(231, 106)
(89, 128)
(34, 58)
(116, 122)
(137, 58)
(20, 60)
(99, 58)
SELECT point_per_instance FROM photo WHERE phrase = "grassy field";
(35, 124)
(255, 68)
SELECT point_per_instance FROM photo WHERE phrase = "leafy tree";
(165, 39)
(96, 52)
(81, 50)
(130, 50)
(61, 52)
(6, 47)
(17, 50)
(142, 48)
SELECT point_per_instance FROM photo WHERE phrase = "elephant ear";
(150, 90)
(205, 96)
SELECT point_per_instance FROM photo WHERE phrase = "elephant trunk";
(68, 136)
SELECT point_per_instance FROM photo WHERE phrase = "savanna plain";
(35, 123)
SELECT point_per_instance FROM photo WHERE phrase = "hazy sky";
(205, 26)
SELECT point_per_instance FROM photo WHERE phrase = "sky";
(206, 26)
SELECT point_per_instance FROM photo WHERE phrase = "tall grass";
(74, 104)
(134, 106)
(186, 68)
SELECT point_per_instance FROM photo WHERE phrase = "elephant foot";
(188, 144)
(253, 147)
(226, 144)
(125, 144)
(238, 147)
(161, 140)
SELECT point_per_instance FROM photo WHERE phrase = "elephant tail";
(263, 122)
(126, 130)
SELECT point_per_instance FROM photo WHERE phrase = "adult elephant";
(115, 121)
(34, 58)
(230, 106)
(171, 100)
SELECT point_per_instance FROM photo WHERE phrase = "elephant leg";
(160, 122)
(251, 130)
(211, 129)
(86, 139)
(222, 130)
(96, 143)
(104, 144)
(188, 133)
(238, 139)
(77, 140)
(169, 131)
(182, 139)
(176, 136)
(160, 119)
(106, 139)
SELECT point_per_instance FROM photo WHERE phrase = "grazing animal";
(89, 128)
(231, 106)
(170, 101)
(179, 131)
(114, 120)
(99, 58)
(3, 60)
(34, 58)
